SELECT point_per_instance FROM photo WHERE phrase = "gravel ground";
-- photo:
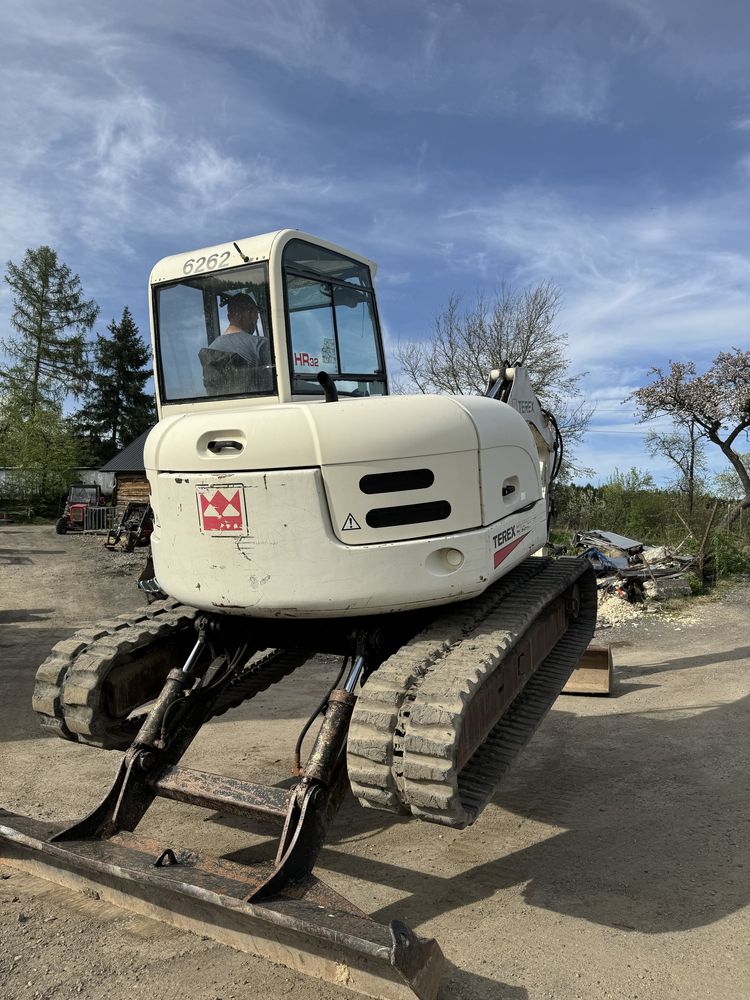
(613, 863)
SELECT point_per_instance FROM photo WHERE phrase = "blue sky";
(602, 144)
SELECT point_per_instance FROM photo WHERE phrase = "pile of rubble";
(629, 569)
(613, 610)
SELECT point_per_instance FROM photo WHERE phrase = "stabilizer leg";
(317, 797)
(160, 741)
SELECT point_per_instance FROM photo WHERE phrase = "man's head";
(242, 311)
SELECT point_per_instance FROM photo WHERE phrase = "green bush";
(731, 555)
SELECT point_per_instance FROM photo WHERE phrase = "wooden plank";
(593, 674)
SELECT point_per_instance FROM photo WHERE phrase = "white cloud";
(394, 278)
(571, 86)
(24, 221)
(632, 278)
(690, 40)
(205, 175)
(127, 133)
(148, 128)
(458, 59)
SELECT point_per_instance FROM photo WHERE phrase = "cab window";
(332, 322)
(213, 335)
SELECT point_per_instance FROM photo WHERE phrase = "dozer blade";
(593, 672)
(307, 927)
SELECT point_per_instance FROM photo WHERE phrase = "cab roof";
(244, 251)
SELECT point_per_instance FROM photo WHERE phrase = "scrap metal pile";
(633, 570)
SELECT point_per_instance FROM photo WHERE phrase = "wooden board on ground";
(593, 675)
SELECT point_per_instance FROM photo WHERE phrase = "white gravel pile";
(614, 610)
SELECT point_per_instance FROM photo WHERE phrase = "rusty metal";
(339, 695)
(309, 928)
(167, 857)
(329, 743)
(215, 791)
(318, 795)
(149, 769)
(150, 734)
(297, 769)
(166, 733)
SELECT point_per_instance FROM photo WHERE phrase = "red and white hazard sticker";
(221, 510)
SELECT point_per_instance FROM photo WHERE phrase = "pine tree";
(117, 409)
(51, 319)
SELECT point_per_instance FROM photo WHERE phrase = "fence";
(101, 518)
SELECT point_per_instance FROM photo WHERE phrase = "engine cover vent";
(411, 513)
(397, 482)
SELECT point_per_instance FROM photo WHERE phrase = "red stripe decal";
(506, 550)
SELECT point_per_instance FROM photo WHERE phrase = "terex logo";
(509, 539)
(303, 358)
(504, 536)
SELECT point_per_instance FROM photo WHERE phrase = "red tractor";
(81, 499)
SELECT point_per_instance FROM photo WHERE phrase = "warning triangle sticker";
(350, 524)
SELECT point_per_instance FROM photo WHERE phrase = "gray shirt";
(236, 364)
(254, 350)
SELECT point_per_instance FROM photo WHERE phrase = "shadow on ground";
(16, 557)
(22, 651)
(687, 663)
(653, 821)
(471, 986)
(13, 617)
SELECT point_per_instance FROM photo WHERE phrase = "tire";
(61, 526)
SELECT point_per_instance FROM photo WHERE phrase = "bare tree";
(512, 328)
(718, 401)
(683, 446)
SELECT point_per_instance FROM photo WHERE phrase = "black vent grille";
(397, 482)
(410, 513)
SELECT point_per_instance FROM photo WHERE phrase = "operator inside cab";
(238, 361)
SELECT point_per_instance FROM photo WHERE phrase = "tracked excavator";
(300, 508)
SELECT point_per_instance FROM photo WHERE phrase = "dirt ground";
(614, 863)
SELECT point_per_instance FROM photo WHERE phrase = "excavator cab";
(260, 322)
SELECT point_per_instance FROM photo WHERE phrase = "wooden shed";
(131, 485)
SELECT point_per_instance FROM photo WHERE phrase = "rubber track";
(68, 688)
(407, 720)
(386, 698)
